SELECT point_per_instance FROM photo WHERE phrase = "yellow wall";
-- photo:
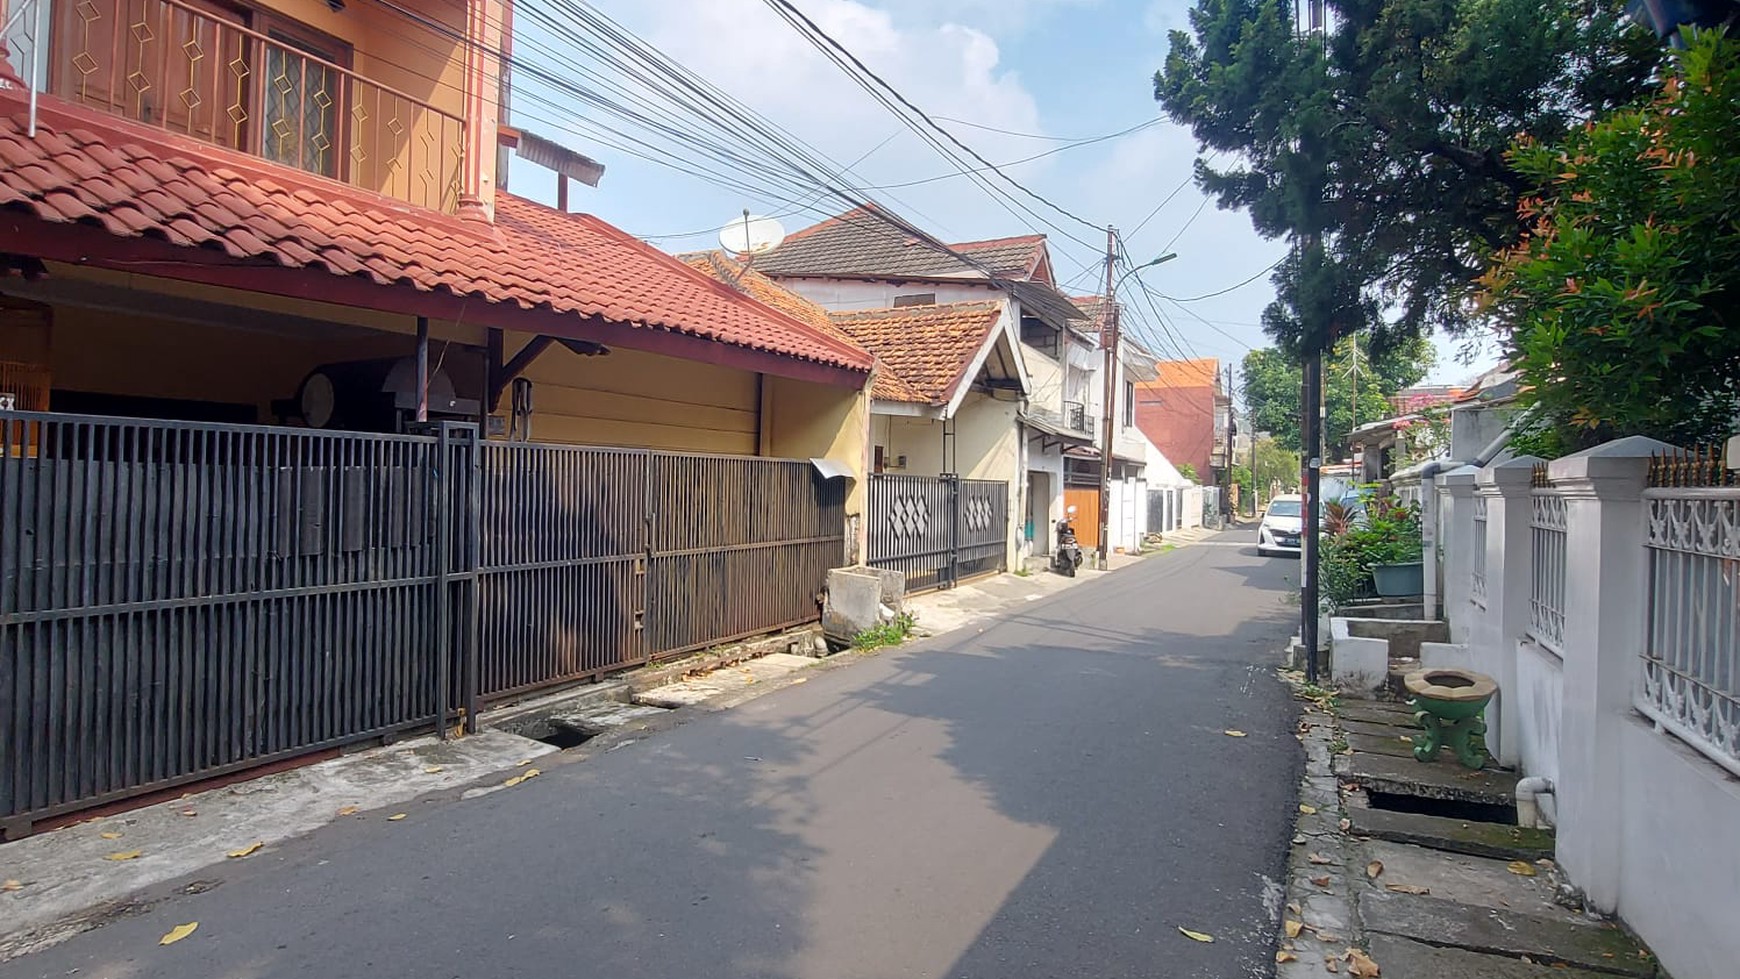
(399, 55)
(807, 421)
(920, 440)
(631, 398)
(107, 353)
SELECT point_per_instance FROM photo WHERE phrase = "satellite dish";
(751, 235)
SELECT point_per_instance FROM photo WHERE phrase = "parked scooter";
(1066, 556)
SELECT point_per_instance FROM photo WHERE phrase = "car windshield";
(1284, 508)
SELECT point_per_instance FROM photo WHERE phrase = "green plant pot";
(1398, 580)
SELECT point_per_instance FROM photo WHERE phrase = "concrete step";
(1440, 779)
(1494, 931)
(1407, 959)
(593, 719)
(1494, 840)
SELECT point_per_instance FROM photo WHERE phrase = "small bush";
(1389, 535)
(885, 634)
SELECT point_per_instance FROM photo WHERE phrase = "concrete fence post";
(1605, 597)
(1506, 488)
(1457, 545)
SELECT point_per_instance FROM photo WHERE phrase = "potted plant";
(1378, 554)
(1396, 558)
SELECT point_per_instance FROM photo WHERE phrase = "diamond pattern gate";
(937, 530)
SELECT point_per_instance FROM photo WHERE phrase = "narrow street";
(1054, 795)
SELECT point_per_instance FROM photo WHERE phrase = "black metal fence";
(183, 600)
(937, 530)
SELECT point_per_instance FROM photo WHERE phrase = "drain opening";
(562, 737)
(1480, 812)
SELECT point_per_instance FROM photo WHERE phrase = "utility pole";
(1311, 401)
(1231, 430)
(1109, 344)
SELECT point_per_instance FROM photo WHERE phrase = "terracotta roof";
(1093, 309)
(885, 384)
(926, 348)
(1202, 372)
(138, 182)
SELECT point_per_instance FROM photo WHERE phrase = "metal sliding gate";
(184, 600)
(938, 530)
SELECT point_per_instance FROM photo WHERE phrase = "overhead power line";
(1235, 286)
(871, 81)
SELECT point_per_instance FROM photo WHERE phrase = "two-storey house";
(864, 260)
(311, 433)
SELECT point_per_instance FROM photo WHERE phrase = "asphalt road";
(1051, 796)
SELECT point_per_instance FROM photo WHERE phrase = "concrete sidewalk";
(1399, 892)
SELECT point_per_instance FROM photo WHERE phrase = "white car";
(1283, 523)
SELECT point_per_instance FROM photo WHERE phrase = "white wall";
(1648, 825)
(1679, 869)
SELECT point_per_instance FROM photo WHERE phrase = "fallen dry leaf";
(1360, 964)
(522, 763)
(12, 885)
(1328, 937)
(347, 811)
(125, 855)
(1233, 733)
(1307, 809)
(190, 812)
(395, 817)
(433, 770)
(1321, 881)
(246, 850)
(1319, 859)
(1195, 936)
(517, 779)
(111, 836)
(1294, 927)
(1330, 965)
(801, 679)
(1293, 906)
(1299, 840)
(1374, 869)
(177, 933)
(1345, 824)
(1521, 868)
(1285, 956)
(1407, 889)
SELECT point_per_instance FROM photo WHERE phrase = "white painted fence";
(1609, 614)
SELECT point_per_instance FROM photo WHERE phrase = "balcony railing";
(268, 87)
(1077, 417)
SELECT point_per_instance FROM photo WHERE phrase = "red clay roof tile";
(927, 348)
(532, 256)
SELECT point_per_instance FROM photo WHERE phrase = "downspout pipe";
(1536, 803)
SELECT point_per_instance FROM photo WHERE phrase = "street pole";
(1109, 344)
(1255, 495)
(1232, 426)
(1311, 403)
(1312, 384)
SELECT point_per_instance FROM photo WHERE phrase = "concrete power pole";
(1311, 402)
(1109, 344)
(1232, 427)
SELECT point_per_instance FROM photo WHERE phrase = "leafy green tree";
(1271, 387)
(1276, 465)
(1387, 138)
(1187, 470)
(1622, 304)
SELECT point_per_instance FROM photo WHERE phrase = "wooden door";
(1086, 500)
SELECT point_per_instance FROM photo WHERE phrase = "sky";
(1058, 69)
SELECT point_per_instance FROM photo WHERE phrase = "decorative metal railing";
(1691, 656)
(1547, 585)
(1477, 556)
(251, 82)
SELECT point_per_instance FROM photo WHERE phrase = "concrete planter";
(1397, 580)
